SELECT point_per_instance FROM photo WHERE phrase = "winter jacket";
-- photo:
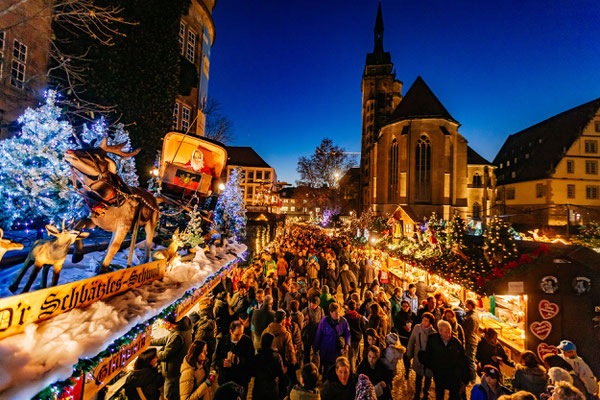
(447, 360)
(485, 352)
(299, 393)
(393, 352)
(470, 326)
(332, 276)
(417, 343)
(334, 390)
(358, 326)
(380, 325)
(282, 267)
(370, 273)
(583, 371)
(192, 383)
(238, 303)
(296, 332)
(457, 332)
(222, 316)
(423, 291)
(289, 297)
(313, 270)
(148, 380)
(326, 337)
(326, 300)
(533, 380)
(400, 320)
(176, 346)
(283, 343)
(346, 276)
(310, 327)
(482, 391)
(261, 319)
(412, 300)
(266, 378)
(376, 375)
(240, 371)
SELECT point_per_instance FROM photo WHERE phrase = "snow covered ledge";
(46, 352)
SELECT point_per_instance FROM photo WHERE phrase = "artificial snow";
(46, 352)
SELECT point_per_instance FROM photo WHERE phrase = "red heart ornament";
(541, 330)
(548, 310)
(544, 349)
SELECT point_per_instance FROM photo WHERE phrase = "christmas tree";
(500, 245)
(125, 166)
(230, 214)
(193, 231)
(456, 232)
(35, 181)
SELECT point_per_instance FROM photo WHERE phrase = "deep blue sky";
(288, 72)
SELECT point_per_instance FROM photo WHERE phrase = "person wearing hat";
(490, 387)
(196, 162)
(581, 369)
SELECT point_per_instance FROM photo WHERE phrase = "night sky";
(288, 72)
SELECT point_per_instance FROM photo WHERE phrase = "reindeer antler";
(63, 225)
(117, 148)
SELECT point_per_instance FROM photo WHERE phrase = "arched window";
(423, 170)
(476, 210)
(477, 180)
(393, 172)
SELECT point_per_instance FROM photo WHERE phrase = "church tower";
(381, 93)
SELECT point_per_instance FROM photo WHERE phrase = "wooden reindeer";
(7, 245)
(45, 253)
(171, 251)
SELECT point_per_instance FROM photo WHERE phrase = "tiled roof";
(419, 103)
(539, 148)
(245, 157)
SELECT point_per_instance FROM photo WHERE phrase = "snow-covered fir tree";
(35, 181)
(193, 231)
(230, 214)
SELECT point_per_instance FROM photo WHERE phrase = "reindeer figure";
(171, 251)
(46, 252)
(7, 245)
(115, 206)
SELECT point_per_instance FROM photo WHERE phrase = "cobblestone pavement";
(402, 389)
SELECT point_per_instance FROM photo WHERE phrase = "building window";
(393, 172)
(510, 193)
(268, 176)
(423, 169)
(597, 126)
(181, 37)
(191, 46)
(258, 176)
(176, 116)
(571, 191)
(477, 180)
(284, 209)
(476, 210)
(591, 146)
(250, 176)
(591, 192)
(17, 72)
(591, 167)
(570, 167)
(185, 118)
(508, 163)
(513, 174)
(539, 190)
(292, 208)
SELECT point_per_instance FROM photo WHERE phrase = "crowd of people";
(314, 318)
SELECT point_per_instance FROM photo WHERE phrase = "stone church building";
(414, 161)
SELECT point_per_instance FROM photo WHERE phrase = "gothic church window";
(393, 172)
(476, 180)
(423, 169)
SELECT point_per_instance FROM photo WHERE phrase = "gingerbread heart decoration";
(544, 349)
(541, 330)
(548, 310)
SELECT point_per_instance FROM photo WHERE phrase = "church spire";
(378, 32)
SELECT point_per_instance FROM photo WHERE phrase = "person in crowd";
(315, 289)
(365, 307)
(520, 395)
(293, 322)
(581, 369)
(423, 291)
(196, 380)
(332, 338)
(145, 382)
(393, 352)
(268, 370)
(490, 387)
(307, 390)
(340, 383)
(282, 269)
(326, 299)
(257, 302)
(410, 295)
(471, 329)
(490, 352)
(313, 314)
(245, 320)
(291, 295)
(312, 269)
(205, 328)
(332, 274)
(238, 302)
(395, 301)
(378, 374)
(369, 275)
(457, 329)
(299, 267)
(445, 356)
(261, 318)
(346, 279)
(174, 348)
(404, 321)
(283, 344)
(371, 338)
(230, 391)
(378, 320)
(555, 365)
(269, 265)
(386, 306)
(430, 308)
(358, 325)
(233, 357)
(417, 345)
(530, 375)
(566, 391)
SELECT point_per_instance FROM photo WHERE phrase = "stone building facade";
(259, 178)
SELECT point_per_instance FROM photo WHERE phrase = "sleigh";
(178, 179)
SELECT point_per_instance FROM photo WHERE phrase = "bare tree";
(218, 126)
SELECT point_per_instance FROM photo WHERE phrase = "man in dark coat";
(347, 276)
(471, 327)
(175, 347)
(268, 377)
(233, 357)
(222, 314)
(358, 327)
(370, 275)
(313, 314)
(445, 356)
(261, 319)
(341, 382)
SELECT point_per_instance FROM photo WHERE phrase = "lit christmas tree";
(125, 166)
(35, 181)
(193, 231)
(230, 214)
(500, 245)
(456, 232)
